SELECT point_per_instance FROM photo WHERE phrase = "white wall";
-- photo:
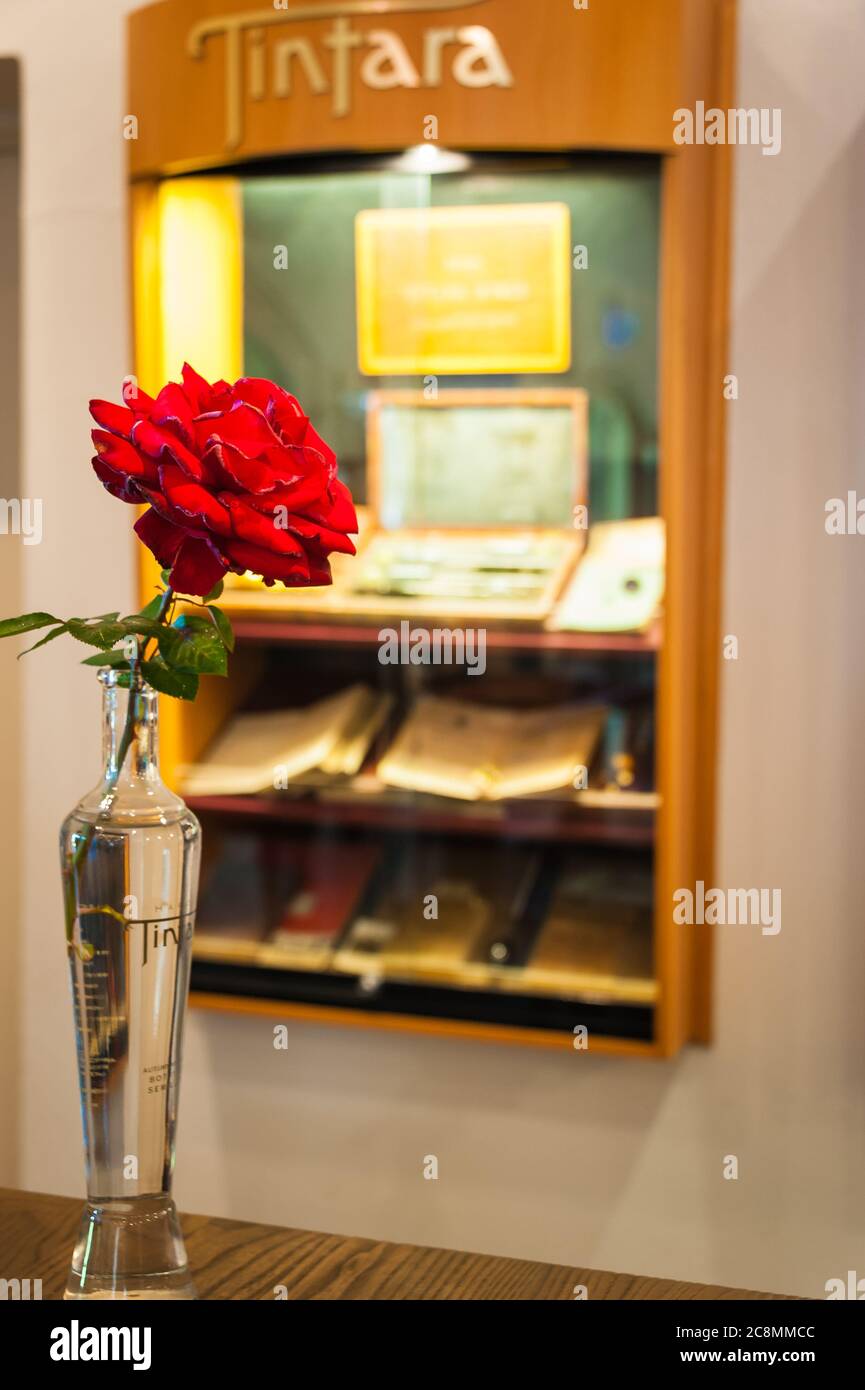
(75, 336)
(559, 1157)
(10, 595)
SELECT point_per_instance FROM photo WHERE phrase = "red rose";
(236, 478)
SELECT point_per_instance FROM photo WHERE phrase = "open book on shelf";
(618, 585)
(475, 752)
(438, 908)
(596, 941)
(260, 752)
(280, 901)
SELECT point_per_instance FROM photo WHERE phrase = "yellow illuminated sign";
(464, 289)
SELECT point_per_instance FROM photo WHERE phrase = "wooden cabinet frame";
(609, 78)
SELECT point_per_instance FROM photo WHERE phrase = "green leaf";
(49, 637)
(215, 593)
(165, 576)
(192, 620)
(140, 625)
(114, 659)
(223, 626)
(191, 648)
(28, 622)
(151, 609)
(183, 685)
(96, 632)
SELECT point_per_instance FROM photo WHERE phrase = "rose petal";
(294, 496)
(137, 400)
(172, 408)
(290, 420)
(340, 514)
(184, 523)
(258, 391)
(116, 418)
(197, 391)
(319, 534)
(291, 570)
(187, 496)
(157, 442)
(313, 440)
(197, 568)
(250, 525)
(247, 474)
(247, 429)
(120, 455)
(160, 537)
(117, 484)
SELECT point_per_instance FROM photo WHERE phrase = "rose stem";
(107, 802)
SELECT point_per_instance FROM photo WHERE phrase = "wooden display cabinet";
(225, 98)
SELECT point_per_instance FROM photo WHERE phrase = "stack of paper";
(263, 752)
(474, 752)
(619, 583)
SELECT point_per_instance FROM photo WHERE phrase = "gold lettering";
(303, 50)
(481, 48)
(388, 65)
(481, 64)
(257, 74)
(433, 44)
(233, 90)
(341, 40)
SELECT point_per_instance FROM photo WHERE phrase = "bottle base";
(129, 1250)
(127, 1294)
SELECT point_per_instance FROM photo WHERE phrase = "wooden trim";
(411, 1023)
(669, 1029)
(605, 78)
(695, 245)
(717, 366)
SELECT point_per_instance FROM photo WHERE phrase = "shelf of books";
(465, 837)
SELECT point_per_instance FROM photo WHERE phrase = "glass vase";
(130, 855)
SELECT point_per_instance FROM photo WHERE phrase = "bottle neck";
(130, 732)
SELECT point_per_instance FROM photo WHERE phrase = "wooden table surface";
(241, 1260)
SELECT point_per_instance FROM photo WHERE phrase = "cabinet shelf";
(544, 1016)
(561, 823)
(276, 632)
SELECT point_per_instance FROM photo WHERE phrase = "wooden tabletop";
(241, 1260)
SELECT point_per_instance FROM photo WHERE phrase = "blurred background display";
(431, 790)
(300, 323)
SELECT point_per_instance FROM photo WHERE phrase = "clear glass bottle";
(130, 858)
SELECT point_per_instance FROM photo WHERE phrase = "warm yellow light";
(188, 283)
(201, 277)
(464, 289)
